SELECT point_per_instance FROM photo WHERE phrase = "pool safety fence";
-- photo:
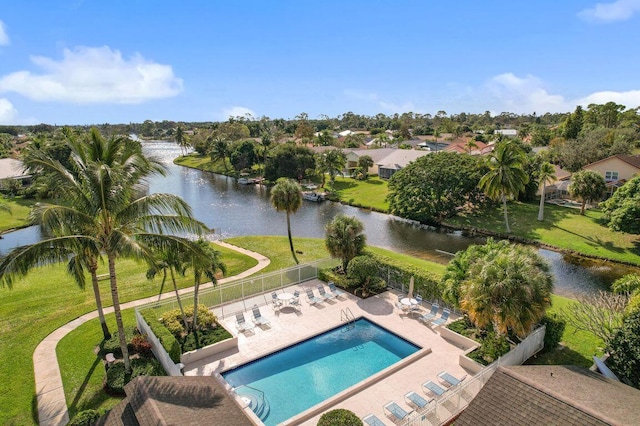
(456, 399)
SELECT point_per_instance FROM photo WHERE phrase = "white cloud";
(4, 38)
(94, 75)
(237, 111)
(630, 99)
(382, 104)
(520, 95)
(619, 10)
(8, 114)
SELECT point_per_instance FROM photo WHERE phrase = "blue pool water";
(300, 376)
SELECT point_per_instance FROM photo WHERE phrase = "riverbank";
(563, 229)
(16, 216)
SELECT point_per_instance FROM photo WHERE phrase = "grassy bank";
(562, 227)
(370, 193)
(17, 215)
(576, 348)
(47, 299)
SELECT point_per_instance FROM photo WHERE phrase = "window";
(611, 176)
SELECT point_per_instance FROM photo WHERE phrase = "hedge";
(339, 417)
(395, 273)
(167, 340)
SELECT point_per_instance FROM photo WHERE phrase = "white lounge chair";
(443, 318)
(426, 318)
(449, 379)
(372, 420)
(277, 303)
(312, 298)
(396, 411)
(258, 318)
(335, 290)
(242, 324)
(295, 302)
(416, 400)
(324, 294)
(433, 388)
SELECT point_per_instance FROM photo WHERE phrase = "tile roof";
(552, 395)
(175, 400)
(633, 160)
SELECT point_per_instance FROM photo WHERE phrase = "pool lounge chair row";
(431, 318)
(333, 293)
(258, 319)
(413, 399)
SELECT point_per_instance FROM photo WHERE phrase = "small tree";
(623, 208)
(624, 351)
(364, 163)
(546, 174)
(362, 273)
(344, 238)
(339, 417)
(587, 186)
(600, 314)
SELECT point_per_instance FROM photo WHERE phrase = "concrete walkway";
(52, 405)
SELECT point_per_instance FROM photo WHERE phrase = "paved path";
(52, 405)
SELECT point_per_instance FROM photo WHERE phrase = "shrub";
(85, 418)
(166, 338)
(141, 346)
(205, 338)
(362, 273)
(173, 319)
(493, 347)
(339, 417)
(555, 329)
(113, 345)
(117, 379)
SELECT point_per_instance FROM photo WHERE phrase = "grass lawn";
(47, 299)
(203, 162)
(577, 347)
(562, 227)
(368, 193)
(17, 218)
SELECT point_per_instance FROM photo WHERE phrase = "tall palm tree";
(506, 176)
(207, 264)
(344, 238)
(286, 196)
(546, 174)
(168, 259)
(99, 211)
(334, 161)
(182, 140)
(220, 151)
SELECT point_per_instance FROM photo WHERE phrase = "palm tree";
(99, 212)
(546, 174)
(286, 196)
(208, 265)
(587, 186)
(220, 151)
(344, 238)
(508, 291)
(506, 176)
(334, 162)
(169, 260)
(182, 140)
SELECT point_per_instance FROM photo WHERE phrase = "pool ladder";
(256, 400)
(347, 317)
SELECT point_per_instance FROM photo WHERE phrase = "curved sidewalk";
(52, 405)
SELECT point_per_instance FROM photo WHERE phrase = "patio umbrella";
(410, 295)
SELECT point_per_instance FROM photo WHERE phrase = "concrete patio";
(289, 326)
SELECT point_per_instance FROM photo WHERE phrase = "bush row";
(167, 340)
(117, 378)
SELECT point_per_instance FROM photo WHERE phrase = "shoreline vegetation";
(563, 230)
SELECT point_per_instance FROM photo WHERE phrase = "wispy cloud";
(237, 111)
(384, 105)
(619, 10)
(8, 114)
(4, 38)
(88, 75)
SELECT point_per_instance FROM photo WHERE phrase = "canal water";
(232, 210)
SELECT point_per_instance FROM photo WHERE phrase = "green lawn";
(577, 347)
(370, 193)
(47, 299)
(562, 227)
(17, 217)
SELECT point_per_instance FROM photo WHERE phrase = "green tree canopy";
(624, 351)
(434, 186)
(623, 209)
(587, 186)
(290, 161)
(344, 238)
(243, 155)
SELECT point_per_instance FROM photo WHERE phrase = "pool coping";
(341, 396)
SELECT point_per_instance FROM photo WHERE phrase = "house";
(376, 155)
(552, 395)
(510, 133)
(397, 160)
(11, 169)
(616, 167)
(178, 400)
(464, 148)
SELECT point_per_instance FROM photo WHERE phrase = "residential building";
(616, 167)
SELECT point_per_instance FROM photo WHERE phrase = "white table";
(409, 302)
(285, 296)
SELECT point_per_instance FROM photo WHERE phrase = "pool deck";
(289, 326)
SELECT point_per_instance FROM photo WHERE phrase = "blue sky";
(91, 62)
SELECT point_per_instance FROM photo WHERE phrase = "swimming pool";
(292, 380)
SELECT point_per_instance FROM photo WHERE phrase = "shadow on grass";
(562, 355)
(95, 398)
